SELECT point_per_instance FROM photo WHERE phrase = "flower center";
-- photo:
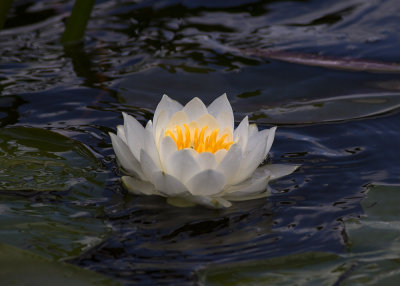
(196, 139)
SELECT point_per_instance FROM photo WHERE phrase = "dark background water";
(340, 125)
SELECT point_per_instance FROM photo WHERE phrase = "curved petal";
(256, 183)
(220, 155)
(206, 160)
(254, 187)
(168, 184)
(195, 108)
(206, 183)
(139, 187)
(178, 118)
(230, 164)
(265, 193)
(280, 170)
(241, 133)
(134, 133)
(209, 121)
(225, 121)
(253, 129)
(220, 104)
(148, 166)
(125, 157)
(270, 140)
(121, 133)
(182, 165)
(167, 104)
(253, 156)
(150, 147)
(160, 125)
(166, 149)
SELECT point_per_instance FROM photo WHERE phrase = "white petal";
(253, 129)
(264, 193)
(206, 160)
(252, 157)
(195, 108)
(225, 121)
(125, 157)
(210, 202)
(270, 140)
(160, 125)
(182, 165)
(178, 118)
(256, 183)
(254, 187)
(220, 104)
(220, 155)
(139, 187)
(121, 133)
(231, 162)
(209, 121)
(166, 149)
(241, 133)
(168, 184)
(134, 133)
(166, 104)
(148, 166)
(206, 183)
(149, 126)
(280, 170)
(150, 147)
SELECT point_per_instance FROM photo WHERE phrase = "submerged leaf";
(41, 160)
(19, 267)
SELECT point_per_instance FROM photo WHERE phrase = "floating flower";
(193, 155)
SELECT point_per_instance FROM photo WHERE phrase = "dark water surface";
(61, 198)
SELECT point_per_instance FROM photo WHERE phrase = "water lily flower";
(193, 155)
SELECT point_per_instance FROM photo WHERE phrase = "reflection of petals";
(192, 154)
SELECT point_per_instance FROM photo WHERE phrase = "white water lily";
(193, 155)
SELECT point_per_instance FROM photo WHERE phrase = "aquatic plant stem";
(5, 6)
(76, 26)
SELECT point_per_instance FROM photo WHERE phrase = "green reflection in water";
(373, 256)
(5, 6)
(19, 267)
(50, 189)
(77, 22)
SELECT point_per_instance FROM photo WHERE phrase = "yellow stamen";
(196, 139)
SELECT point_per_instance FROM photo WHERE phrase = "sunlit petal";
(168, 185)
(230, 164)
(166, 149)
(148, 166)
(206, 183)
(280, 170)
(121, 133)
(182, 165)
(206, 160)
(125, 157)
(139, 187)
(195, 108)
(220, 104)
(134, 133)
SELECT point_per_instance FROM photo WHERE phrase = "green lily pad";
(312, 268)
(374, 240)
(19, 268)
(41, 160)
(56, 225)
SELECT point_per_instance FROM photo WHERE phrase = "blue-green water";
(332, 222)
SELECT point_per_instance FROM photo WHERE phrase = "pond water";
(325, 72)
